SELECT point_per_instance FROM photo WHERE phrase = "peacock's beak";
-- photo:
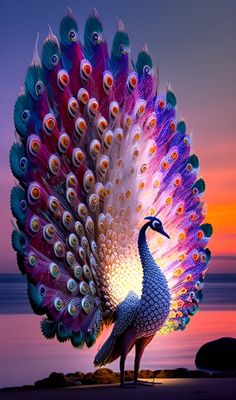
(165, 234)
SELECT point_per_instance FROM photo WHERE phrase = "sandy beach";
(164, 389)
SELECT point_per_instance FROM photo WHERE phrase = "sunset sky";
(193, 43)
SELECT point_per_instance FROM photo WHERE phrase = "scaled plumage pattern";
(98, 149)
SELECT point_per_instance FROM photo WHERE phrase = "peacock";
(109, 206)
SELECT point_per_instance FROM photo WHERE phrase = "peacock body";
(97, 150)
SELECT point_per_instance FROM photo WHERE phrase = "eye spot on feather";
(82, 211)
(70, 258)
(174, 155)
(195, 191)
(25, 115)
(78, 271)
(118, 135)
(72, 310)
(34, 193)
(195, 256)
(71, 196)
(143, 168)
(63, 79)
(54, 59)
(87, 272)
(172, 126)
(168, 200)
(152, 211)
(86, 305)
(72, 35)
(165, 165)
(135, 153)
(92, 287)
(39, 86)
(189, 167)
(34, 145)
(63, 142)
(180, 210)
(113, 110)
(203, 258)
(178, 272)
(83, 96)
(181, 236)
(161, 104)
(77, 157)
(48, 232)
(128, 194)
(200, 234)
(93, 107)
(156, 183)
(141, 185)
(80, 127)
(177, 181)
(127, 122)
(73, 106)
(83, 288)
(151, 122)
(71, 285)
(23, 205)
(49, 123)
(101, 125)
(67, 219)
(186, 141)
(59, 249)
(108, 81)
(54, 270)
(32, 259)
(71, 180)
(93, 202)
(95, 148)
(132, 81)
(85, 70)
(54, 164)
(53, 204)
(192, 217)
(140, 108)
(58, 304)
(34, 224)
(108, 138)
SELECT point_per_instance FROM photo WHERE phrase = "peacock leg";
(127, 344)
(140, 345)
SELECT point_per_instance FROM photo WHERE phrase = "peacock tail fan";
(98, 149)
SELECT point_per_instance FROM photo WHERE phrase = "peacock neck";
(150, 268)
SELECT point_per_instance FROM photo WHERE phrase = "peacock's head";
(156, 225)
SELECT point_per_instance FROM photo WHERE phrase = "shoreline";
(165, 389)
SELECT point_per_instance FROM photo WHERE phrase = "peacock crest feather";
(98, 149)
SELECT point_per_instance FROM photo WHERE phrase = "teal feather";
(50, 53)
(90, 339)
(77, 339)
(23, 115)
(48, 328)
(181, 127)
(62, 333)
(121, 38)
(36, 300)
(199, 185)
(19, 241)
(93, 25)
(34, 81)
(68, 30)
(207, 230)
(171, 98)
(193, 160)
(143, 60)
(18, 161)
(207, 254)
(18, 204)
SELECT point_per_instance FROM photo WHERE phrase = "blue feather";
(18, 204)
(120, 44)
(35, 298)
(77, 339)
(68, 30)
(23, 115)
(144, 62)
(171, 98)
(34, 81)
(19, 242)
(181, 127)
(18, 162)
(92, 35)
(51, 53)
(48, 328)
(62, 333)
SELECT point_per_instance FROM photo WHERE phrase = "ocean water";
(27, 356)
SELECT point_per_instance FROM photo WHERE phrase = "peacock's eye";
(54, 59)
(25, 115)
(155, 224)
(72, 35)
(146, 69)
(39, 88)
(122, 48)
(95, 36)
(23, 162)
